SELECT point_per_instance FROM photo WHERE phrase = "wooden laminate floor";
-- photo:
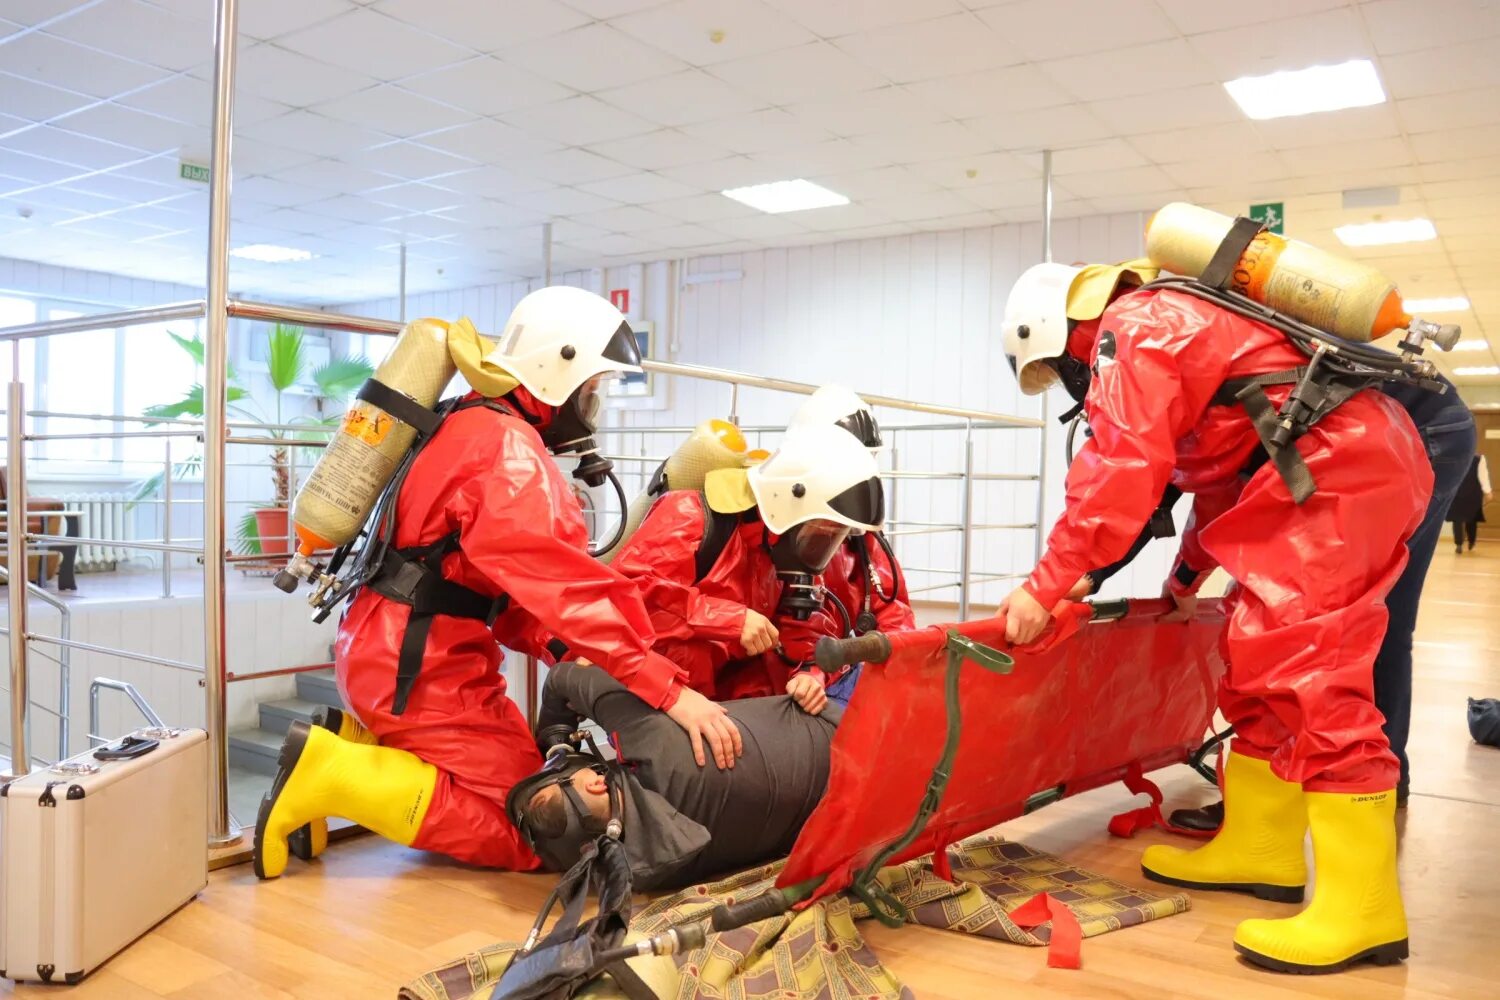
(372, 915)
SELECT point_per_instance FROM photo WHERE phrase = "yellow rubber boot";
(310, 841)
(1356, 913)
(1258, 848)
(380, 788)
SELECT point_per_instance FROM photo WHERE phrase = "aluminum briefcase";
(98, 849)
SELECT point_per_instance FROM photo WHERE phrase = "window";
(155, 370)
(12, 312)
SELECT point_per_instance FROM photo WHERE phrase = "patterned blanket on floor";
(819, 952)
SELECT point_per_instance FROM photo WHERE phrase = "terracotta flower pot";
(272, 524)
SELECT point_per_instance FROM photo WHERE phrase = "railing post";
(166, 518)
(216, 342)
(966, 519)
(15, 556)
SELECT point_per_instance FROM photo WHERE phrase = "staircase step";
(255, 750)
(277, 716)
(319, 688)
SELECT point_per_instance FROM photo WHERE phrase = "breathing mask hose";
(619, 534)
(1072, 434)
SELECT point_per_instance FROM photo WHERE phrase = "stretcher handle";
(833, 654)
(726, 917)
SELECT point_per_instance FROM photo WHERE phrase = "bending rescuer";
(489, 549)
(1308, 614)
(730, 574)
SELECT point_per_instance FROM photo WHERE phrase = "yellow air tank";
(1321, 289)
(713, 444)
(354, 469)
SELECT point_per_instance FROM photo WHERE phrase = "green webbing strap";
(886, 907)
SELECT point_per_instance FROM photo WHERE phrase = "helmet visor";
(623, 349)
(861, 423)
(863, 503)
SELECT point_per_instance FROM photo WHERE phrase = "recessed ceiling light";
(786, 196)
(1374, 234)
(1441, 304)
(1477, 370)
(1353, 84)
(270, 253)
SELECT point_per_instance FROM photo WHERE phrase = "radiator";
(106, 517)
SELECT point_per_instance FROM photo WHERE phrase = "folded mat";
(818, 952)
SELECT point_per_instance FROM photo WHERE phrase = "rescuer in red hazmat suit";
(741, 629)
(486, 502)
(1307, 615)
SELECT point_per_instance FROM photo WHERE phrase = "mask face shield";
(814, 543)
(572, 431)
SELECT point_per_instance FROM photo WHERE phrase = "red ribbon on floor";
(1063, 951)
(1128, 824)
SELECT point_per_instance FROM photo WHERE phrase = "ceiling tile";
(889, 107)
(578, 121)
(1335, 157)
(485, 140)
(486, 27)
(1111, 154)
(1187, 107)
(591, 58)
(568, 166)
(268, 71)
(488, 212)
(1231, 138)
(762, 227)
(33, 12)
(430, 226)
(660, 149)
(1048, 128)
(310, 132)
(1407, 25)
(833, 156)
(627, 218)
(836, 18)
(69, 147)
(959, 43)
(1003, 194)
(387, 49)
(56, 61)
(682, 99)
(333, 174)
(881, 182)
(1226, 170)
(486, 86)
(712, 208)
(190, 100)
(268, 191)
(115, 123)
(685, 236)
(987, 169)
(114, 185)
(1349, 125)
(991, 92)
(927, 142)
(1125, 72)
(688, 28)
(1457, 143)
(759, 132)
(394, 111)
(38, 102)
(918, 207)
(838, 218)
(491, 181)
(1413, 74)
(415, 197)
(639, 188)
(805, 73)
(1114, 182)
(1054, 29)
(140, 31)
(1450, 110)
(566, 201)
(407, 160)
(266, 19)
(1328, 37)
(1195, 16)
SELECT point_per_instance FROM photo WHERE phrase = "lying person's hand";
(704, 720)
(1186, 605)
(808, 692)
(759, 634)
(1025, 619)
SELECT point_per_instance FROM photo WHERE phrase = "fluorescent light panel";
(270, 253)
(1376, 234)
(786, 196)
(1441, 304)
(1477, 370)
(1353, 84)
(1470, 345)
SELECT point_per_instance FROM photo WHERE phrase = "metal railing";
(128, 690)
(64, 658)
(216, 309)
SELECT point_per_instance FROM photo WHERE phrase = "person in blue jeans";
(1447, 429)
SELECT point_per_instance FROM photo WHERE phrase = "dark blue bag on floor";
(1484, 721)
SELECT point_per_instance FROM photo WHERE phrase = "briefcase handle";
(129, 748)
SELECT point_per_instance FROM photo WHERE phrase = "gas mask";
(572, 432)
(1074, 375)
(799, 556)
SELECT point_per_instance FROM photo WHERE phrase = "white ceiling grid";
(459, 127)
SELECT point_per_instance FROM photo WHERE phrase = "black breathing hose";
(597, 550)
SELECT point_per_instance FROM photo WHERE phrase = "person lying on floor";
(683, 823)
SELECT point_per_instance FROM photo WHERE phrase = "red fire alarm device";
(620, 299)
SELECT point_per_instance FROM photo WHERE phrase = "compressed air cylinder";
(343, 487)
(713, 444)
(1332, 293)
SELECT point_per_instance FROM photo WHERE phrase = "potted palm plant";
(265, 530)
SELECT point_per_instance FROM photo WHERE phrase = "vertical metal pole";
(1041, 483)
(291, 493)
(533, 694)
(890, 505)
(216, 355)
(15, 561)
(166, 517)
(966, 518)
(734, 403)
(1046, 205)
(403, 282)
(64, 682)
(546, 253)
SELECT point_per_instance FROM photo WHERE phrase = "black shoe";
(1207, 819)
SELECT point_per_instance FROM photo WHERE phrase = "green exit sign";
(1272, 215)
(193, 172)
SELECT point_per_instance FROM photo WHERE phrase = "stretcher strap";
(1128, 824)
(1063, 950)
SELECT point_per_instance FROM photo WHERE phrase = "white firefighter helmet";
(559, 337)
(840, 407)
(821, 472)
(1036, 324)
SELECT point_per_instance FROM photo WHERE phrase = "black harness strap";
(718, 529)
(1250, 393)
(1221, 265)
(400, 406)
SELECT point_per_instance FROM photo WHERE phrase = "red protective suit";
(1308, 611)
(846, 579)
(698, 625)
(521, 533)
